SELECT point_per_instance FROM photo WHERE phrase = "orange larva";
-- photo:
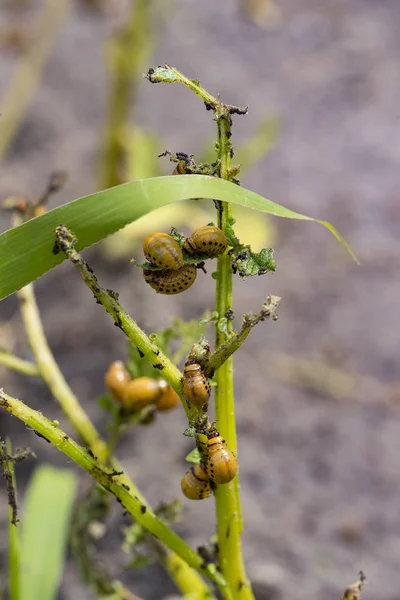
(170, 281)
(208, 240)
(196, 386)
(195, 484)
(140, 392)
(116, 379)
(221, 462)
(167, 398)
(161, 250)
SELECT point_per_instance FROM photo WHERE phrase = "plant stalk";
(26, 77)
(108, 479)
(25, 367)
(127, 51)
(227, 497)
(229, 521)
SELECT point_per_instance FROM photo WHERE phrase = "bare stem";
(227, 497)
(52, 375)
(127, 50)
(26, 77)
(109, 299)
(229, 521)
(15, 363)
(108, 479)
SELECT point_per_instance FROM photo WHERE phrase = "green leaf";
(250, 263)
(48, 506)
(193, 456)
(26, 251)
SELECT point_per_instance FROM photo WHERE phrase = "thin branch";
(65, 241)
(108, 479)
(354, 591)
(26, 367)
(26, 77)
(223, 352)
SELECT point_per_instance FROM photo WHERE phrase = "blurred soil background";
(317, 392)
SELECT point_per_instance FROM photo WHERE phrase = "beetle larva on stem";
(196, 386)
(195, 484)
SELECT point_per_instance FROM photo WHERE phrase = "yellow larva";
(221, 462)
(167, 397)
(195, 484)
(140, 392)
(196, 386)
(116, 379)
(170, 281)
(161, 250)
(208, 240)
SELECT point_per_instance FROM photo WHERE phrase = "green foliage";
(193, 456)
(26, 250)
(48, 507)
(175, 340)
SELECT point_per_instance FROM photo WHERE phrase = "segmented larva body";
(196, 386)
(140, 392)
(208, 240)
(170, 281)
(116, 379)
(161, 250)
(195, 484)
(167, 396)
(221, 462)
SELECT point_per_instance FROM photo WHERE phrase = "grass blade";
(26, 251)
(47, 511)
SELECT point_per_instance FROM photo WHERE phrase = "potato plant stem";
(229, 522)
(52, 375)
(227, 497)
(108, 479)
(127, 50)
(25, 367)
(26, 77)
(70, 405)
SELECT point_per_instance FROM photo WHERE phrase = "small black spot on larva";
(143, 509)
(158, 366)
(125, 486)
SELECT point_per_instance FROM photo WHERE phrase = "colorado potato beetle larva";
(208, 240)
(196, 386)
(140, 392)
(116, 379)
(195, 484)
(162, 250)
(167, 398)
(221, 462)
(170, 281)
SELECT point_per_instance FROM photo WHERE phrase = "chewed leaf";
(249, 263)
(26, 250)
(193, 456)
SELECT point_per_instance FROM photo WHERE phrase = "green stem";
(109, 299)
(26, 77)
(127, 51)
(229, 526)
(237, 339)
(227, 497)
(109, 481)
(25, 367)
(52, 375)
